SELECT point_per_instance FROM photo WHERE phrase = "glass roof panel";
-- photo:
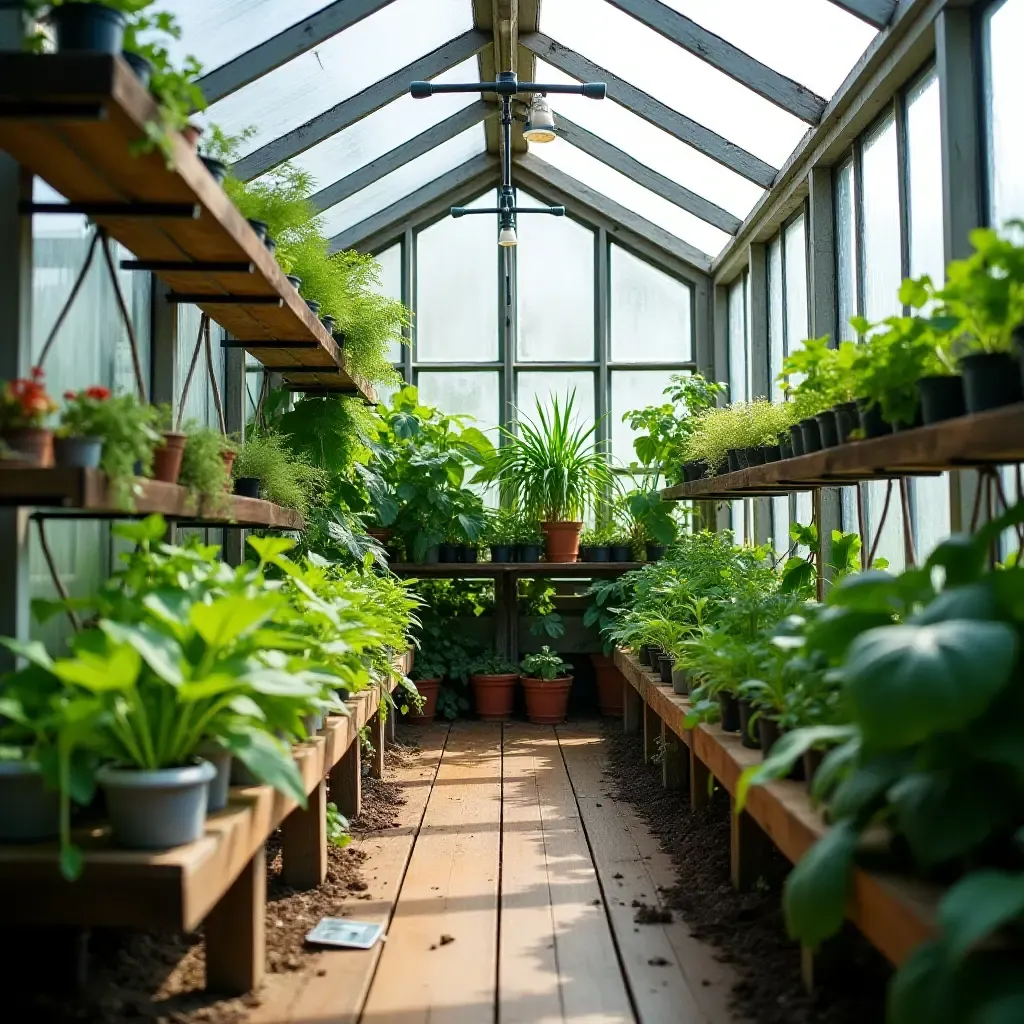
(628, 193)
(400, 183)
(814, 42)
(383, 130)
(343, 66)
(667, 72)
(654, 147)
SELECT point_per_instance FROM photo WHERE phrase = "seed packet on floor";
(339, 931)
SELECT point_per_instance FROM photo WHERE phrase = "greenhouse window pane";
(390, 261)
(924, 180)
(881, 257)
(813, 42)
(1003, 29)
(846, 249)
(780, 525)
(626, 192)
(795, 242)
(456, 288)
(739, 367)
(651, 320)
(401, 182)
(475, 393)
(633, 389)
(654, 147)
(555, 286)
(776, 330)
(317, 80)
(534, 385)
(679, 79)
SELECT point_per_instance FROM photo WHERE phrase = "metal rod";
(190, 267)
(187, 298)
(170, 211)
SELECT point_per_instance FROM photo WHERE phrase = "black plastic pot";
(502, 553)
(295, 282)
(314, 306)
(871, 420)
(140, 66)
(754, 456)
(770, 734)
(696, 470)
(92, 28)
(991, 380)
(247, 487)
(260, 227)
(847, 420)
(750, 739)
(528, 553)
(433, 555)
(655, 553)
(450, 553)
(601, 553)
(271, 244)
(771, 453)
(328, 322)
(812, 762)
(469, 553)
(733, 457)
(730, 712)
(827, 428)
(217, 168)
(665, 665)
(811, 435)
(653, 652)
(796, 437)
(586, 553)
(786, 446)
(621, 553)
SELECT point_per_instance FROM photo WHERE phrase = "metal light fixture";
(540, 124)
(540, 127)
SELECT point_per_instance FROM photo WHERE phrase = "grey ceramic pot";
(680, 681)
(155, 810)
(77, 452)
(221, 783)
(29, 812)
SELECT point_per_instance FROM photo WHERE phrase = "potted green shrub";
(265, 464)
(24, 408)
(500, 534)
(529, 540)
(553, 468)
(204, 470)
(493, 680)
(427, 673)
(546, 683)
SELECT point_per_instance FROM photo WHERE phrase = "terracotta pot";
(428, 691)
(547, 700)
(32, 446)
(167, 458)
(229, 462)
(563, 541)
(609, 685)
(191, 133)
(494, 696)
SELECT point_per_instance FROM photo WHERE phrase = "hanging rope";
(881, 525)
(203, 340)
(862, 528)
(976, 512)
(76, 287)
(58, 583)
(140, 382)
(217, 403)
(909, 545)
(191, 371)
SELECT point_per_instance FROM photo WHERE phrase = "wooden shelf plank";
(86, 493)
(983, 439)
(88, 159)
(894, 914)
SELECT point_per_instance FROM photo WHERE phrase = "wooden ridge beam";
(730, 60)
(355, 108)
(678, 125)
(285, 46)
(875, 12)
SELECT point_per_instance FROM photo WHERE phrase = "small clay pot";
(609, 685)
(428, 690)
(563, 540)
(494, 696)
(547, 700)
(32, 446)
(167, 457)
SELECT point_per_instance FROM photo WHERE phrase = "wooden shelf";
(984, 439)
(462, 570)
(85, 493)
(73, 118)
(894, 914)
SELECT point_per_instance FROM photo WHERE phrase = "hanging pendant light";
(540, 124)
(507, 234)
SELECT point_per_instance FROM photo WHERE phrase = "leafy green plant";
(546, 665)
(337, 827)
(492, 664)
(287, 478)
(203, 469)
(502, 526)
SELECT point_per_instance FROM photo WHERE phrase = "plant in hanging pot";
(553, 468)
(493, 680)
(170, 447)
(24, 408)
(547, 683)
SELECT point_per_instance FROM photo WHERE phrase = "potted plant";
(493, 680)
(170, 449)
(529, 540)
(500, 532)
(90, 27)
(265, 464)
(553, 468)
(24, 407)
(204, 470)
(427, 673)
(547, 683)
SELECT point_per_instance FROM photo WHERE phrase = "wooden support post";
(748, 850)
(652, 731)
(377, 739)
(346, 781)
(675, 764)
(631, 708)
(700, 783)
(235, 939)
(304, 842)
(389, 725)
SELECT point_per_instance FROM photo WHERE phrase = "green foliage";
(740, 425)
(287, 477)
(203, 469)
(337, 827)
(546, 665)
(491, 664)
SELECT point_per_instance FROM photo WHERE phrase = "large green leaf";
(270, 549)
(267, 758)
(979, 905)
(160, 652)
(976, 601)
(906, 683)
(33, 651)
(819, 886)
(923, 991)
(116, 670)
(229, 618)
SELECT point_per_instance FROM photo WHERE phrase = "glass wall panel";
(881, 259)
(846, 249)
(651, 319)
(390, 261)
(555, 287)
(739, 367)
(456, 289)
(795, 241)
(534, 385)
(924, 180)
(473, 393)
(776, 317)
(1003, 29)
(632, 389)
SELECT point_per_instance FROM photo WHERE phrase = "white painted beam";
(534, 167)
(659, 114)
(632, 168)
(401, 155)
(375, 231)
(285, 46)
(346, 113)
(728, 59)
(875, 12)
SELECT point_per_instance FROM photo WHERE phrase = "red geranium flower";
(100, 394)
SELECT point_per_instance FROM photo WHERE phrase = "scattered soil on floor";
(747, 929)
(159, 977)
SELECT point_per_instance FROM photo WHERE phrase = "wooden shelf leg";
(377, 739)
(674, 762)
(389, 726)
(700, 783)
(652, 731)
(631, 708)
(346, 781)
(304, 842)
(235, 939)
(748, 850)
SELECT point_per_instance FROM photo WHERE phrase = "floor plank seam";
(501, 868)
